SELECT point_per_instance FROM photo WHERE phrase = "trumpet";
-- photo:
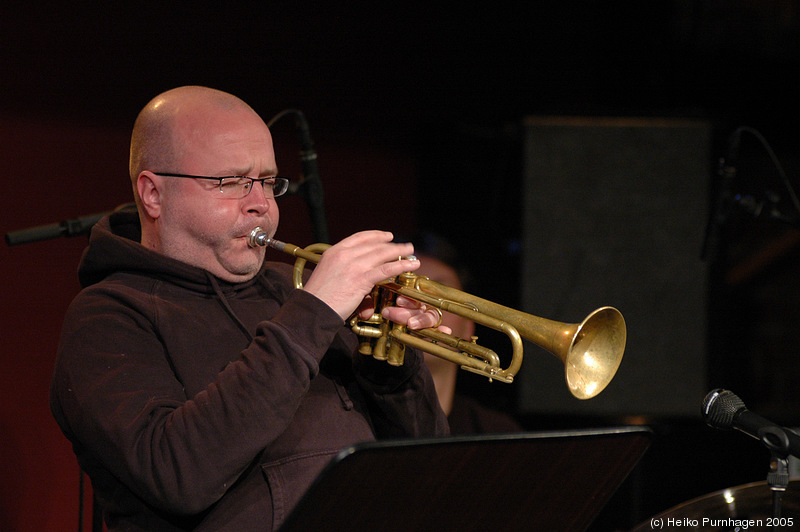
(591, 351)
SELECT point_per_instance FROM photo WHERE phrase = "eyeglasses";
(237, 186)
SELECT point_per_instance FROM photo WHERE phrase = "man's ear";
(149, 187)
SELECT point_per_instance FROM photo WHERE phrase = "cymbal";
(748, 505)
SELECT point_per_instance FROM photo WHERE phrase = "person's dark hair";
(434, 245)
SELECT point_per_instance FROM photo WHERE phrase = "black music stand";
(527, 481)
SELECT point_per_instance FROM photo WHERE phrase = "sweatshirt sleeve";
(116, 396)
(402, 399)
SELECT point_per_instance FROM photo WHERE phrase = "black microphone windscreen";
(720, 407)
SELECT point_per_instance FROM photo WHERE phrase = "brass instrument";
(590, 351)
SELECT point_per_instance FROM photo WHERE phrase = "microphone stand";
(81, 225)
(775, 439)
(718, 215)
(766, 208)
(72, 227)
(727, 199)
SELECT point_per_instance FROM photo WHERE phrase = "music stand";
(558, 480)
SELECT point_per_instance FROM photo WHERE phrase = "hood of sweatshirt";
(114, 246)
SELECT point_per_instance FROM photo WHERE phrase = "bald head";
(159, 134)
(200, 132)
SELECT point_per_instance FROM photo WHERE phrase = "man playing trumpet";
(199, 388)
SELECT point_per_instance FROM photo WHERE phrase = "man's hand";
(349, 270)
(414, 315)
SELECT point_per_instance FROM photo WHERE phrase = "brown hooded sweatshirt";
(197, 404)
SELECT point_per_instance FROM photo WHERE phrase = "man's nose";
(257, 201)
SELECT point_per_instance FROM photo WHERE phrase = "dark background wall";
(417, 114)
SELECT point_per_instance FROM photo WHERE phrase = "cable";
(775, 161)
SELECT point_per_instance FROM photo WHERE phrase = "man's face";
(198, 224)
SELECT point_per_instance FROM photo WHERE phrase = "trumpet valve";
(365, 346)
(396, 354)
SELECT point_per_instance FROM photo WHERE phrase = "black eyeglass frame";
(282, 183)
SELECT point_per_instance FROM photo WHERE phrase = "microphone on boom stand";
(309, 188)
(722, 409)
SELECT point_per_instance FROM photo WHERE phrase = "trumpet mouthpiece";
(257, 238)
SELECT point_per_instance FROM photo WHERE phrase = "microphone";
(308, 155)
(311, 187)
(720, 211)
(723, 409)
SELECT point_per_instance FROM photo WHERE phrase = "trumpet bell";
(594, 352)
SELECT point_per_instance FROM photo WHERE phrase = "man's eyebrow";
(272, 172)
(240, 172)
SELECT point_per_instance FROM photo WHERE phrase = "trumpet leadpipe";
(259, 238)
